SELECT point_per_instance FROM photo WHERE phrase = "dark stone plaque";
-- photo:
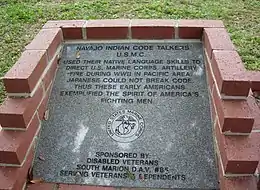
(129, 115)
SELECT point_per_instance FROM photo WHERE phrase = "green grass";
(20, 20)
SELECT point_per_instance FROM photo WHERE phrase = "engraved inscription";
(123, 165)
(132, 77)
(129, 115)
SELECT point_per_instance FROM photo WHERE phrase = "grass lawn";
(20, 20)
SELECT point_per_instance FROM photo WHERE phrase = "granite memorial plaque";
(129, 115)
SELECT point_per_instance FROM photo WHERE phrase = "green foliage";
(16, 13)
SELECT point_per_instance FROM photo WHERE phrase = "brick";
(210, 88)
(239, 154)
(25, 74)
(254, 77)
(254, 105)
(201, 23)
(108, 29)
(52, 39)
(14, 178)
(43, 106)
(62, 23)
(216, 39)
(15, 144)
(41, 186)
(212, 110)
(193, 29)
(18, 112)
(235, 116)
(239, 183)
(210, 78)
(258, 171)
(190, 32)
(49, 77)
(71, 33)
(236, 183)
(71, 29)
(152, 29)
(83, 187)
(230, 74)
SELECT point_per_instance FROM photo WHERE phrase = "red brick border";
(71, 29)
(152, 29)
(14, 178)
(230, 74)
(15, 144)
(107, 29)
(193, 29)
(235, 111)
(239, 154)
(236, 183)
(24, 74)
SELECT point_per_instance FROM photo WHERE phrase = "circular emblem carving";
(125, 125)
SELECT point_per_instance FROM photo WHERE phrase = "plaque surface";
(129, 115)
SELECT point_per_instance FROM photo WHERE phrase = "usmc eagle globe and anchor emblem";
(125, 125)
